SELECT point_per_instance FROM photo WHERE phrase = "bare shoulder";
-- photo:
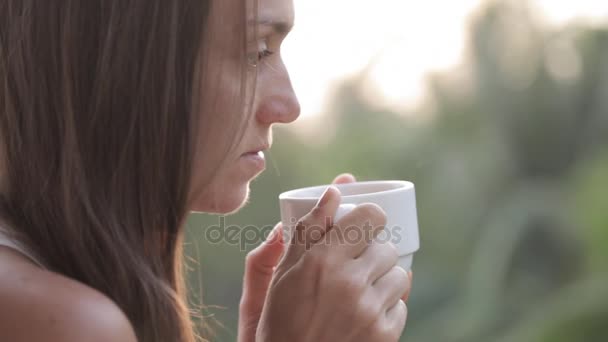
(39, 305)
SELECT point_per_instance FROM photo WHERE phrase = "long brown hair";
(100, 109)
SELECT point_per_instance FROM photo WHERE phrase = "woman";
(118, 118)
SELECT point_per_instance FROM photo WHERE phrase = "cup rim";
(404, 185)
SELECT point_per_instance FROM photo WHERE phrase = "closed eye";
(265, 53)
(262, 53)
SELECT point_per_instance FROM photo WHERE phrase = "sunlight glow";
(398, 42)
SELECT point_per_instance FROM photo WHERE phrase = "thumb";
(260, 263)
(311, 228)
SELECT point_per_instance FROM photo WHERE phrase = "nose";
(279, 108)
(278, 102)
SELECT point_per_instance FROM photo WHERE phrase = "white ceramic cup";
(396, 198)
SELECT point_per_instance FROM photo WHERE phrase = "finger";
(395, 319)
(406, 296)
(260, 262)
(313, 227)
(392, 286)
(266, 256)
(354, 232)
(379, 258)
(344, 179)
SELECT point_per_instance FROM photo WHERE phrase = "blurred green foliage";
(511, 172)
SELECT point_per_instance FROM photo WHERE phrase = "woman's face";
(274, 102)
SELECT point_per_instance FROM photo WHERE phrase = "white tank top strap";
(7, 241)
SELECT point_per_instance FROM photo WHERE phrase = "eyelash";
(264, 53)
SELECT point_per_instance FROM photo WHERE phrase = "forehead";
(229, 15)
(229, 19)
(275, 11)
(282, 10)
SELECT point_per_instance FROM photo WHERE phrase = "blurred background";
(498, 112)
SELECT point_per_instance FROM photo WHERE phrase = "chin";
(225, 200)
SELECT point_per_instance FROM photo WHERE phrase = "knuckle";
(353, 289)
(386, 333)
(392, 253)
(403, 278)
(369, 311)
(373, 212)
(393, 331)
(383, 332)
(399, 279)
(401, 274)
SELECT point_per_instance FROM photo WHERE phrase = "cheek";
(218, 127)
(227, 193)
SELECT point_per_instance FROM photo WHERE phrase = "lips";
(255, 161)
(258, 151)
(254, 154)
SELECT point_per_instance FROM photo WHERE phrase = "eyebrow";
(279, 26)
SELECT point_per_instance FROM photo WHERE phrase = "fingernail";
(324, 198)
(272, 234)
